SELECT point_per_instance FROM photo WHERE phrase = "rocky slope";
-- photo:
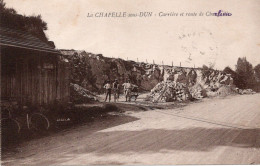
(91, 71)
(186, 84)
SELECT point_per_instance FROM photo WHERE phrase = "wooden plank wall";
(34, 77)
(63, 80)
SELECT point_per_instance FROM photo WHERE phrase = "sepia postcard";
(140, 82)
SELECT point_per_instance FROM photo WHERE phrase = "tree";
(257, 72)
(3, 8)
(233, 74)
(206, 71)
(33, 24)
(245, 73)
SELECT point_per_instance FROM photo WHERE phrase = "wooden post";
(172, 63)
(153, 61)
(180, 64)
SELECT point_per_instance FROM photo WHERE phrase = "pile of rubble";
(226, 90)
(80, 94)
(169, 91)
(245, 91)
(182, 84)
(198, 92)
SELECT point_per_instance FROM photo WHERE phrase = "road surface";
(215, 131)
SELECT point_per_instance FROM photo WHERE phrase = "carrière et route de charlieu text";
(219, 13)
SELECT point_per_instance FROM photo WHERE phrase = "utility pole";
(172, 63)
(153, 61)
(180, 64)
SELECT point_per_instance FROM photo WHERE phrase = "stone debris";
(226, 90)
(245, 91)
(186, 84)
(169, 91)
(81, 95)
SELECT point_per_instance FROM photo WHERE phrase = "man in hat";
(127, 90)
(115, 87)
(108, 90)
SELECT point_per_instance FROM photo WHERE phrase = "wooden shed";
(31, 70)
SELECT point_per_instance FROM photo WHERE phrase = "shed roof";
(22, 39)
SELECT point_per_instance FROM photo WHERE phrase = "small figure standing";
(134, 92)
(127, 90)
(108, 90)
(116, 90)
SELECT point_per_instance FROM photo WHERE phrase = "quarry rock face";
(187, 83)
(91, 71)
(166, 83)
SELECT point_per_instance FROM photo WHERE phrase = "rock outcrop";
(166, 83)
(186, 84)
(90, 71)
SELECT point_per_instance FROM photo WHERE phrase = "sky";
(189, 40)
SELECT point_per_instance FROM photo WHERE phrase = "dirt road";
(215, 131)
